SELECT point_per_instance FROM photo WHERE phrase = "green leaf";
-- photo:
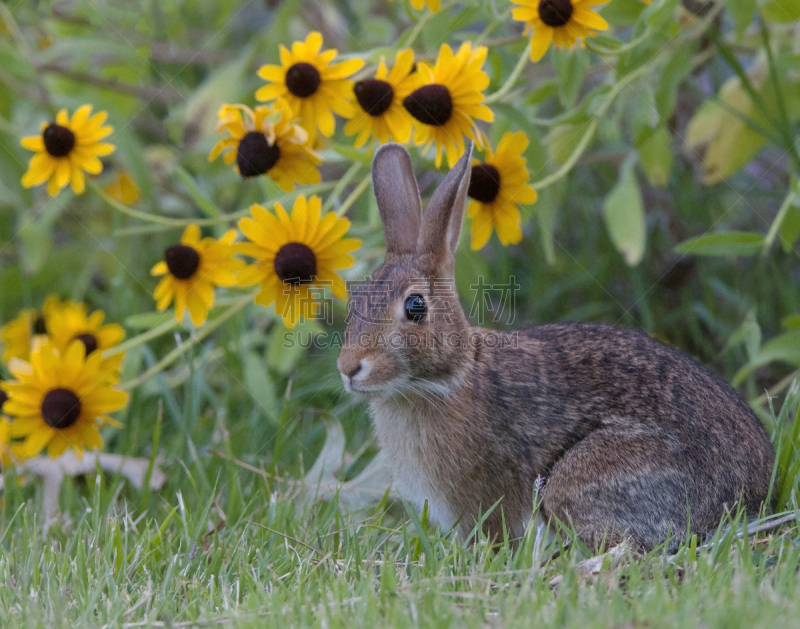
(673, 73)
(784, 348)
(792, 322)
(37, 241)
(781, 11)
(287, 346)
(609, 43)
(259, 385)
(570, 67)
(545, 90)
(353, 154)
(790, 228)
(748, 333)
(148, 320)
(623, 211)
(655, 154)
(742, 12)
(562, 140)
(545, 212)
(724, 244)
(659, 14)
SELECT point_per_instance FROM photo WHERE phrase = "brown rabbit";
(635, 439)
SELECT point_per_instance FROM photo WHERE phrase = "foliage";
(664, 154)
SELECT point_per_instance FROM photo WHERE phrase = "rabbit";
(635, 440)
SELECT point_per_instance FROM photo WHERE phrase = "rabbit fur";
(634, 438)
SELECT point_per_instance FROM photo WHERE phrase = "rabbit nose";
(354, 370)
(349, 365)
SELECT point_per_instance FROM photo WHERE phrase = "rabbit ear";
(398, 197)
(441, 225)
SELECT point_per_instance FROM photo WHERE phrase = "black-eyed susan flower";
(66, 148)
(433, 5)
(295, 255)
(449, 100)
(559, 22)
(21, 334)
(123, 189)
(5, 435)
(311, 85)
(193, 267)
(378, 107)
(59, 400)
(69, 321)
(496, 187)
(264, 141)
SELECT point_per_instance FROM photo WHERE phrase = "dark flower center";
(39, 325)
(374, 96)
(182, 261)
(295, 263)
(484, 184)
(89, 342)
(430, 104)
(302, 79)
(61, 408)
(58, 140)
(255, 156)
(555, 13)
(3, 399)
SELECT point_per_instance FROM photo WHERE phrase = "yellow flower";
(19, 335)
(449, 100)
(68, 321)
(296, 256)
(380, 110)
(66, 148)
(311, 86)
(6, 456)
(496, 187)
(192, 268)
(5, 437)
(266, 141)
(123, 189)
(559, 22)
(433, 5)
(59, 400)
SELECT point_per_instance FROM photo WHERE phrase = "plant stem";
(183, 222)
(506, 87)
(340, 186)
(353, 197)
(600, 50)
(176, 353)
(142, 338)
(776, 224)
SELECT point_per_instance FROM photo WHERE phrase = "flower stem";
(176, 353)
(353, 197)
(183, 222)
(776, 224)
(340, 186)
(567, 165)
(506, 87)
(142, 338)
(602, 50)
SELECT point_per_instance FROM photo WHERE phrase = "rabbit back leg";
(620, 484)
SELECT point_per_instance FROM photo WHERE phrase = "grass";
(237, 419)
(225, 543)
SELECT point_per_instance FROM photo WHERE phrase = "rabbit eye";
(416, 308)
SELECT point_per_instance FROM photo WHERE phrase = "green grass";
(223, 543)
(237, 419)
